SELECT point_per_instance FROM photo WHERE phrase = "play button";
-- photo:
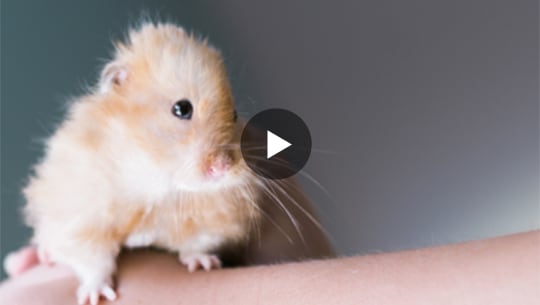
(276, 143)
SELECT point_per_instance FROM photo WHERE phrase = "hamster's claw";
(88, 295)
(44, 256)
(200, 260)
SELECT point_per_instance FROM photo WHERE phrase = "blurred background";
(424, 114)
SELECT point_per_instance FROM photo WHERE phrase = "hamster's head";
(170, 93)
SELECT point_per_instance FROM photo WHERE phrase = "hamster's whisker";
(296, 223)
(254, 148)
(280, 185)
(253, 223)
(280, 162)
(272, 221)
(309, 215)
(248, 148)
(176, 212)
(227, 146)
(293, 220)
(285, 193)
(278, 227)
(317, 183)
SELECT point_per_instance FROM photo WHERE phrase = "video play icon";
(276, 143)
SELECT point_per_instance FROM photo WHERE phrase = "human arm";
(503, 270)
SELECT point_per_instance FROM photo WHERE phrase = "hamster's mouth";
(211, 182)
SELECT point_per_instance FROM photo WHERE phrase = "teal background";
(424, 114)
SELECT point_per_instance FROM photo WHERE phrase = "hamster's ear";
(113, 75)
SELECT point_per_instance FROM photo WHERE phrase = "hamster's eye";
(183, 109)
(235, 116)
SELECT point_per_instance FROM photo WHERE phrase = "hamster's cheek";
(186, 176)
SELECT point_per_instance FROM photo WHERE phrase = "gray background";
(424, 114)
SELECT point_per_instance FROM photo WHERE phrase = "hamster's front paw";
(19, 261)
(90, 294)
(194, 261)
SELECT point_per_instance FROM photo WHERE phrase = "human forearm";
(496, 271)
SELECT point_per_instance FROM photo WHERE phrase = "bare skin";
(503, 270)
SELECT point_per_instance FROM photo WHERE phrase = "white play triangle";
(274, 144)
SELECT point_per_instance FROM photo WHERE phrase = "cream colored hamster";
(149, 157)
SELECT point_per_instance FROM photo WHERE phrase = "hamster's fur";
(122, 170)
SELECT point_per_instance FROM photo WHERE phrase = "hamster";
(149, 157)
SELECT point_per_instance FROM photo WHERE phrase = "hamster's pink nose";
(218, 168)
